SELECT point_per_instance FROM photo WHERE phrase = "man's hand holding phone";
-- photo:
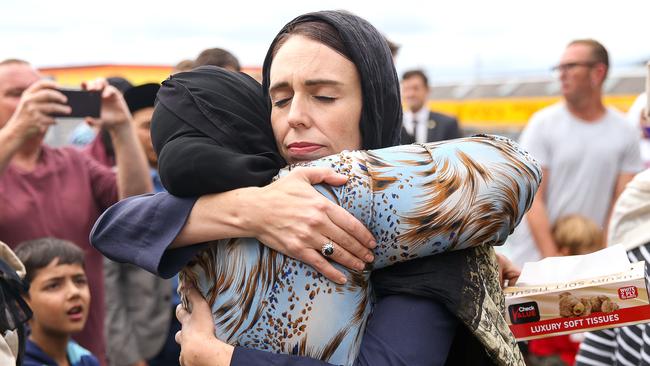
(36, 110)
(113, 112)
(82, 103)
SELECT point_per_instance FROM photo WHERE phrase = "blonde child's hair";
(577, 235)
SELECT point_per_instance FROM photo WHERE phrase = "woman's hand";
(199, 346)
(508, 272)
(291, 217)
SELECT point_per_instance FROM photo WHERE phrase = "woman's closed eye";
(325, 98)
(279, 103)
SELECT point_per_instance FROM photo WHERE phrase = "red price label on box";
(629, 292)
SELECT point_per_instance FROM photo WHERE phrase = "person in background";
(629, 226)
(60, 300)
(394, 48)
(140, 325)
(217, 57)
(419, 124)
(60, 192)
(587, 151)
(94, 141)
(636, 116)
(184, 65)
(574, 235)
(577, 235)
(15, 311)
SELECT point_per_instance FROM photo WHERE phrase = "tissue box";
(584, 305)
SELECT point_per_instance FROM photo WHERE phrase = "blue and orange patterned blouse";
(417, 200)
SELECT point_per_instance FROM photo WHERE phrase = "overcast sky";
(454, 39)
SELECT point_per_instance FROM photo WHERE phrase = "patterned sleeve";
(420, 200)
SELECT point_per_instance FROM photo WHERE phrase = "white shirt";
(419, 119)
(584, 160)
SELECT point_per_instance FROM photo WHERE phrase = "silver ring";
(327, 249)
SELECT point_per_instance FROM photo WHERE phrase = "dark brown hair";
(317, 31)
(394, 47)
(185, 65)
(416, 73)
(39, 253)
(217, 57)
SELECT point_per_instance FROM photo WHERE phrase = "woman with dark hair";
(330, 95)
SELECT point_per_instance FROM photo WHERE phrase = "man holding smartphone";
(60, 192)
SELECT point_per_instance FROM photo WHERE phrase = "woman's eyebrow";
(280, 85)
(310, 82)
(313, 82)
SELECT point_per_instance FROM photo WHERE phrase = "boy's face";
(59, 298)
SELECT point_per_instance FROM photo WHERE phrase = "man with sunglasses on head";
(587, 151)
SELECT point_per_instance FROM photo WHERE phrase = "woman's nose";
(298, 113)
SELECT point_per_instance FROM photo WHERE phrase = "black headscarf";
(381, 116)
(211, 130)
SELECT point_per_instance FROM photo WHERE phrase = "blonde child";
(573, 235)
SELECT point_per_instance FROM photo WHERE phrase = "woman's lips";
(302, 148)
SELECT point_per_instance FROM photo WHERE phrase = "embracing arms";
(448, 196)
(288, 215)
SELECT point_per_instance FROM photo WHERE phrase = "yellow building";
(72, 76)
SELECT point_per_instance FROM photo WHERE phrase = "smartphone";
(83, 103)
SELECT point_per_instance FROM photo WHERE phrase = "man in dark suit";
(419, 123)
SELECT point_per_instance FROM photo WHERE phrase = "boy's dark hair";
(39, 253)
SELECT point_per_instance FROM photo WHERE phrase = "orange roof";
(137, 74)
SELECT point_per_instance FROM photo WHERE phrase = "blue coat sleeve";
(138, 230)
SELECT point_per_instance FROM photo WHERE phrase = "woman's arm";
(422, 200)
(139, 229)
(288, 216)
(158, 232)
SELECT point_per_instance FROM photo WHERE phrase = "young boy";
(574, 235)
(59, 298)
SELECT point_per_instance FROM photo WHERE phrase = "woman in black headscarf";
(378, 127)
